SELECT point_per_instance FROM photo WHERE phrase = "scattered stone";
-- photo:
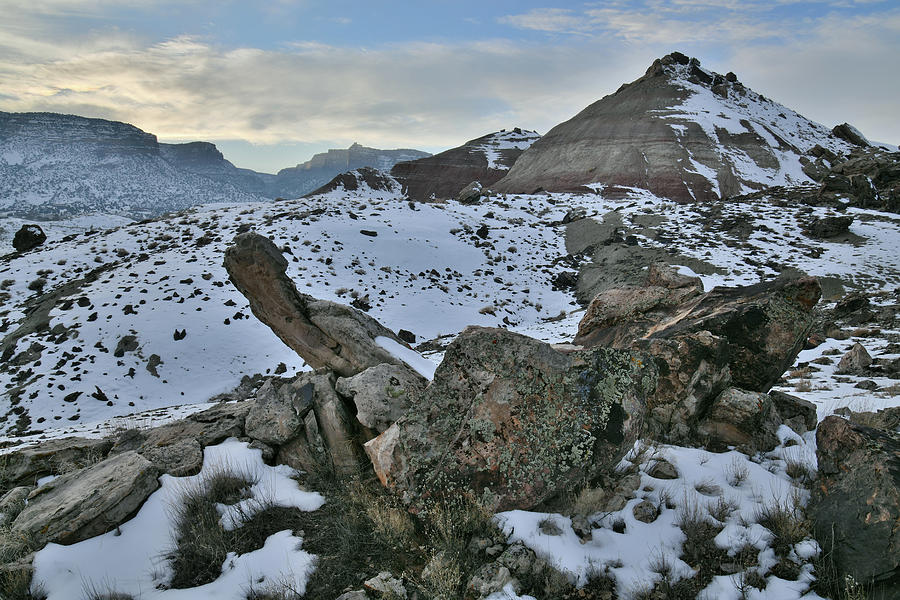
(645, 512)
(797, 413)
(662, 469)
(387, 585)
(28, 237)
(741, 418)
(849, 133)
(127, 343)
(88, 502)
(856, 360)
(512, 421)
(855, 503)
(407, 336)
(470, 194)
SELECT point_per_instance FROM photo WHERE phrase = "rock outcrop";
(88, 502)
(510, 421)
(855, 504)
(26, 466)
(382, 394)
(443, 176)
(680, 131)
(324, 334)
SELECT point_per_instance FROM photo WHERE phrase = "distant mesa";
(680, 131)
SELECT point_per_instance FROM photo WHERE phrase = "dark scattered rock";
(855, 505)
(407, 336)
(828, 227)
(856, 360)
(470, 194)
(512, 421)
(28, 237)
(645, 512)
(797, 413)
(741, 418)
(369, 232)
(127, 343)
(179, 335)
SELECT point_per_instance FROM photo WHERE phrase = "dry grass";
(785, 519)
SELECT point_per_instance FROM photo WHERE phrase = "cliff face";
(321, 168)
(681, 132)
(57, 166)
(486, 160)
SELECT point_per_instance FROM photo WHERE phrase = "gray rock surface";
(741, 418)
(26, 466)
(856, 360)
(382, 394)
(277, 414)
(88, 502)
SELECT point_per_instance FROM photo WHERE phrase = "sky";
(271, 83)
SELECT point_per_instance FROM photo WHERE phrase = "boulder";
(828, 227)
(26, 466)
(88, 502)
(335, 425)
(764, 326)
(856, 360)
(382, 394)
(849, 133)
(324, 334)
(797, 413)
(617, 316)
(693, 370)
(510, 421)
(470, 194)
(279, 410)
(855, 503)
(28, 237)
(741, 418)
(177, 448)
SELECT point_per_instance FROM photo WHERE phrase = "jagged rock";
(325, 334)
(382, 394)
(617, 316)
(88, 502)
(662, 469)
(849, 133)
(127, 343)
(26, 466)
(797, 413)
(693, 369)
(851, 303)
(470, 194)
(887, 418)
(279, 410)
(828, 227)
(386, 584)
(12, 503)
(741, 418)
(856, 360)
(177, 448)
(511, 421)
(28, 237)
(855, 504)
(765, 326)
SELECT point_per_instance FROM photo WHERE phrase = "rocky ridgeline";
(507, 421)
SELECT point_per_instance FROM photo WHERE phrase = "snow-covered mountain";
(680, 131)
(54, 166)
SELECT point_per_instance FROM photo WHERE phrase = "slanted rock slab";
(88, 502)
(26, 466)
(510, 421)
(324, 334)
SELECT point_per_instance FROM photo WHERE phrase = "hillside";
(681, 132)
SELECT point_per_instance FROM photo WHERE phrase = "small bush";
(785, 519)
(37, 285)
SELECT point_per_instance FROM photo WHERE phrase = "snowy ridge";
(730, 111)
(514, 139)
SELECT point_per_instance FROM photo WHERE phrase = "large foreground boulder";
(765, 326)
(324, 334)
(510, 421)
(28, 237)
(88, 502)
(856, 502)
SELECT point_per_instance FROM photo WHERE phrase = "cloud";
(427, 94)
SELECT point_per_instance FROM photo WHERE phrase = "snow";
(131, 559)
(422, 366)
(705, 478)
(515, 139)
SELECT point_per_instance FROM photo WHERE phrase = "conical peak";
(681, 66)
